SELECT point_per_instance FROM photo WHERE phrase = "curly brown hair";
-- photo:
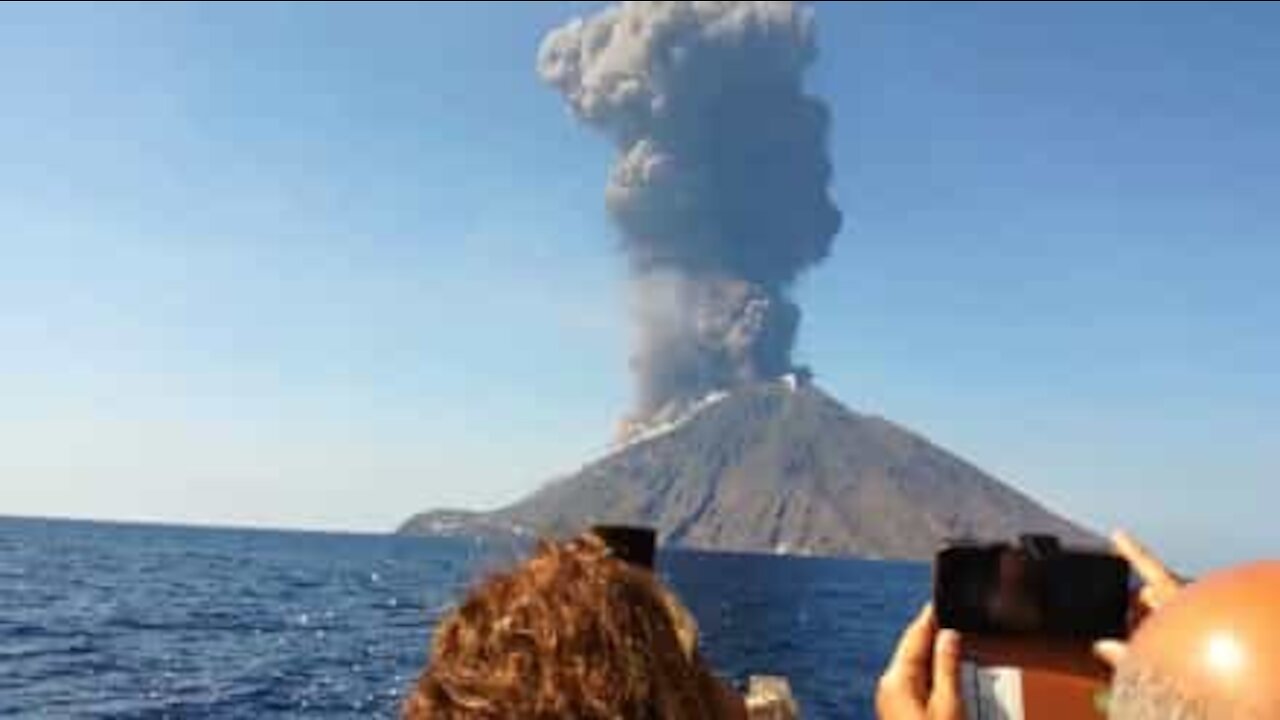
(571, 633)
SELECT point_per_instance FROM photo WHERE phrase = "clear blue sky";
(322, 266)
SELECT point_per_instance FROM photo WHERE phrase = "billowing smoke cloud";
(721, 181)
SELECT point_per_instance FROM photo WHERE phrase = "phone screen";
(1003, 590)
(632, 543)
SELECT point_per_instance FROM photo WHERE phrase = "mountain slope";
(776, 468)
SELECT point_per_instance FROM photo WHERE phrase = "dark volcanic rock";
(776, 469)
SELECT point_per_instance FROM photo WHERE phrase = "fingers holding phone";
(922, 681)
(1159, 586)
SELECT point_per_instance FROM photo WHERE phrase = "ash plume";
(720, 186)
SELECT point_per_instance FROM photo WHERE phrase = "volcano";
(778, 467)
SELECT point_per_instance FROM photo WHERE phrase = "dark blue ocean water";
(123, 621)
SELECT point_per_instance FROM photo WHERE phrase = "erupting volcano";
(720, 186)
(720, 190)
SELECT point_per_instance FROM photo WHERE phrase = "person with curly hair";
(573, 632)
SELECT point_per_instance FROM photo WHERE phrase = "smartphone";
(1035, 587)
(631, 543)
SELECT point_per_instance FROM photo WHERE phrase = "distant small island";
(776, 467)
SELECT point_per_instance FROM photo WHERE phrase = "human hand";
(922, 681)
(1159, 585)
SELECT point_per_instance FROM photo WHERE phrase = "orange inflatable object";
(1219, 639)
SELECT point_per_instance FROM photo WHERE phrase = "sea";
(102, 620)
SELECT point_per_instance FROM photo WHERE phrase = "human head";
(1211, 653)
(572, 632)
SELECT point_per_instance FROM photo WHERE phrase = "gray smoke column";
(720, 186)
